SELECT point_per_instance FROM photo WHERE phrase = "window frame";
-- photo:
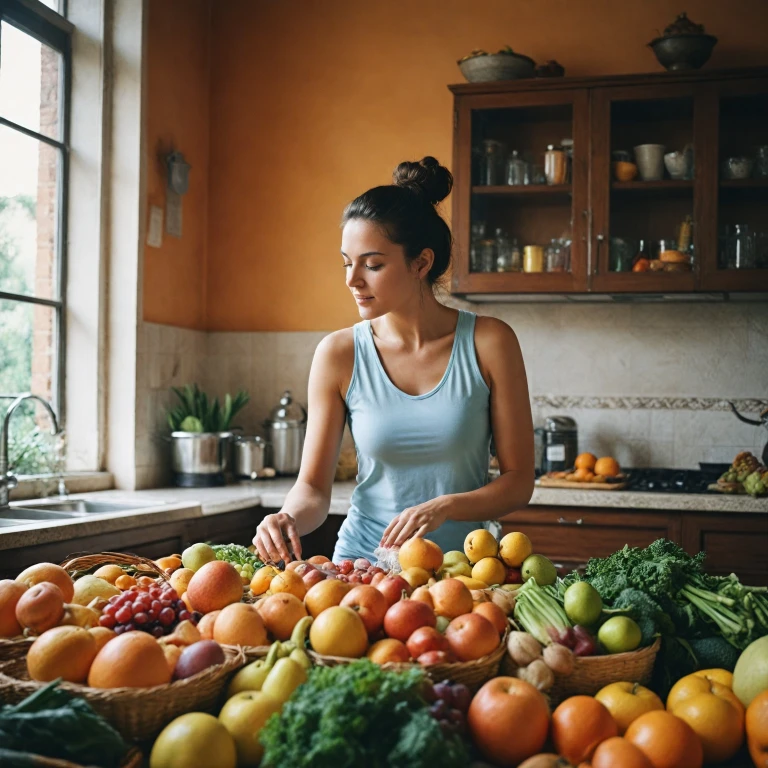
(48, 27)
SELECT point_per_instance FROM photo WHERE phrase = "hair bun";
(427, 178)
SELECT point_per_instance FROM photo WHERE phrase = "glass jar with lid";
(492, 164)
(503, 252)
(517, 169)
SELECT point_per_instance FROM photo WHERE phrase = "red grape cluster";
(358, 571)
(156, 610)
(449, 706)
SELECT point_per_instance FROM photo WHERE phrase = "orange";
(48, 572)
(666, 740)
(420, 553)
(627, 701)
(616, 752)
(169, 564)
(261, 579)
(722, 676)
(133, 659)
(579, 724)
(702, 681)
(585, 461)
(65, 652)
(240, 624)
(110, 573)
(281, 613)
(607, 466)
(714, 713)
(125, 582)
(288, 581)
(757, 730)
(325, 594)
(581, 475)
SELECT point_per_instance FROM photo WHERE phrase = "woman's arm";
(307, 503)
(501, 363)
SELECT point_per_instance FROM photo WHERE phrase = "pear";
(250, 678)
(283, 679)
(454, 557)
(456, 569)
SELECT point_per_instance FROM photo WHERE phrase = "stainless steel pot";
(200, 459)
(250, 456)
(286, 428)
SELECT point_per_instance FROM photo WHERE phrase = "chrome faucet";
(7, 480)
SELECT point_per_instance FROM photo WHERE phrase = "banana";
(300, 632)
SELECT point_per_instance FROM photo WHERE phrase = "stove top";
(659, 480)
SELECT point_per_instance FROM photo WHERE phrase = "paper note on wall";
(155, 229)
(173, 213)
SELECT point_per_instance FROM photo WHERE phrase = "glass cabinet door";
(740, 170)
(520, 197)
(644, 191)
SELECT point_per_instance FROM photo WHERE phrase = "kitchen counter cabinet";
(733, 543)
(570, 536)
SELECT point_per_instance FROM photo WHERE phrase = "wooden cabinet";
(569, 536)
(608, 222)
(734, 544)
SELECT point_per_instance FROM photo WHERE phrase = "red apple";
(471, 636)
(436, 657)
(312, 577)
(377, 577)
(369, 604)
(426, 639)
(392, 587)
(406, 616)
(514, 576)
(497, 710)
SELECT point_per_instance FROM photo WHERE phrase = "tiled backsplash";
(645, 382)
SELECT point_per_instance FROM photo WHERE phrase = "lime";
(583, 604)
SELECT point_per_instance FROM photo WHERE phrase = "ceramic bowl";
(497, 66)
(678, 165)
(681, 52)
(738, 167)
(624, 171)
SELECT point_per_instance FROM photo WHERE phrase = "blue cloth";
(413, 448)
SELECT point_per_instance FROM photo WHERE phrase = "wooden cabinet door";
(626, 212)
(734, 543)
(533, 214)
(569, 536)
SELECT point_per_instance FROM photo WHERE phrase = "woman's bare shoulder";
(335, 355)
(496, 345)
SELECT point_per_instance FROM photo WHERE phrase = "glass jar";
(554, 256)
(517, 169)
(477, 231)
(492, 164)
(503, 252)
(516, 257)
(533, 258)
(761, 162)
(486, 256)
(555, 165)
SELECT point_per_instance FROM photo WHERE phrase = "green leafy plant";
(197, 412)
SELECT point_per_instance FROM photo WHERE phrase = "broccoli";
(649, 616)
(715, 652)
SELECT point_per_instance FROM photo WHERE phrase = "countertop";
(187, 503)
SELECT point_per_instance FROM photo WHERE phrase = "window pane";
(29, 82)
(28, 364)
(28, 215)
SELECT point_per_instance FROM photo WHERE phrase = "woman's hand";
(416, 521)
(272, 533)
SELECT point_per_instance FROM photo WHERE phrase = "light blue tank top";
(413, 448)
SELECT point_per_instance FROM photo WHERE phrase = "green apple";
(244, 715)
(196, 556)
(540, 568)
(454, 557)
(457, 569)
(619, 634)
(250, 678)
(583, 604)
(283, 679)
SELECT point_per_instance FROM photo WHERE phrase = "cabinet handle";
(563, 521)
(600, 239)
(588, 215)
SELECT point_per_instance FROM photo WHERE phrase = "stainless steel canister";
(200, 459)
(250, 456)
(286, 427)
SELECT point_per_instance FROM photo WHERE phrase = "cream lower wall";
(680, 361)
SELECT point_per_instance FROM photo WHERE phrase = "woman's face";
(376, 271)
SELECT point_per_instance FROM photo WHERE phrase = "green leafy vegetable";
(358, 714)
(58, 725)
(197, 413)
(236, 553)
(715, 653)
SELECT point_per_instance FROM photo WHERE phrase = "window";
(35, 55)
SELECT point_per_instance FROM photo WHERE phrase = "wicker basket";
(137, 713)
(81, 563)
(133, 759)
(250, 652)
(471, 673)
(14, 647)
(591, 673)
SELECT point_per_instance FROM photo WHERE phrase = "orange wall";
(311, 103)
(178, 118)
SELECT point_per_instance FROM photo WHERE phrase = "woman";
(422, 386)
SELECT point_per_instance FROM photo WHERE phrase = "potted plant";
(200, 435)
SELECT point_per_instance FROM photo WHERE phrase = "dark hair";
(406, 211)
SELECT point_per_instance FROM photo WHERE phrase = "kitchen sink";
(22, 514)
(65, 509)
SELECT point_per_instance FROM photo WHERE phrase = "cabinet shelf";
(523, 191)
(744, 183)
(663, 187)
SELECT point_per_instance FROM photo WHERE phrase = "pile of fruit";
(587, 468)
(745, 475)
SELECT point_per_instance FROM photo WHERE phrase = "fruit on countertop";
(216, 585)
(626, 701)
(48, 572)
(194, 740)
(750, 677)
